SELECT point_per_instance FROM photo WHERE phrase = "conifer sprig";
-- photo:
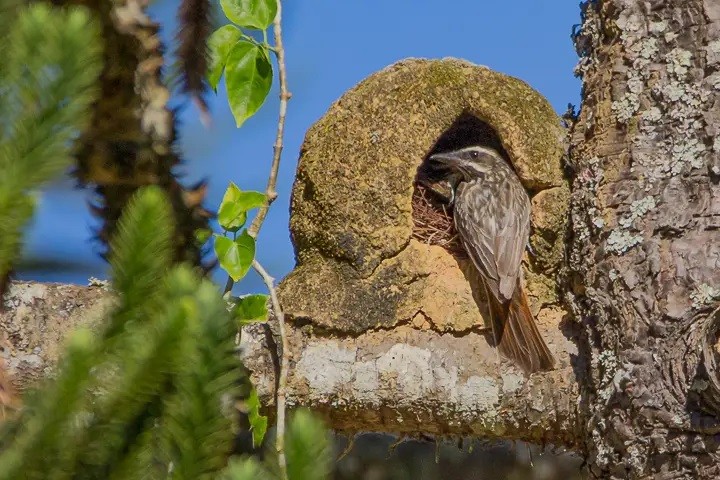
(201, 416)
(142, 255)
(158, 394)
(50, 67)
(49, 415)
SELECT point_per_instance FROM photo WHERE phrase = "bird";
(491, 212)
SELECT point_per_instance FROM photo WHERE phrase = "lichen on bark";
(645, 236)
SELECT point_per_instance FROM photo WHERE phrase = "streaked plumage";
(492, 217)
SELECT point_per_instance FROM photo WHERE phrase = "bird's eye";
(474, 154)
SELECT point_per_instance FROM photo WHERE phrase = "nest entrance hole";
(432, 214)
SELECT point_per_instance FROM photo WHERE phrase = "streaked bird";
(491, 211)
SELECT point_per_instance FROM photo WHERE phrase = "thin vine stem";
(270, 189)
(254, 230)
(285, 95)
(270, 196)
(284, 366)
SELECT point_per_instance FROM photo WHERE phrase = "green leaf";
(235, 205)
(230, 215)
(219, 45)
(248, 76)
(235, 256)
(308, 449)
(257, 14)
(258, 423)
(251, 308)
(202, 235)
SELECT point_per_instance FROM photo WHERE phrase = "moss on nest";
(352, 201)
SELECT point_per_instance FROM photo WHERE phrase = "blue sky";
(330, 46)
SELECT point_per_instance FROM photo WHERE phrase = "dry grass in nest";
(433, 221)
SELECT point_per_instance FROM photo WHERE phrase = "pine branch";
(52, 67)
(41, 430)
(140, 461)
(309, 450)
(15, 210)
(157, 391)
(9, 11)
(105, 410)
(143, 342)
(200, 419)
(246, 469)
(142, 253)
(133, 382)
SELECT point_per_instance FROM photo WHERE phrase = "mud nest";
(433, 220)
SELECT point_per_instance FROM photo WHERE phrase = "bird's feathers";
(494, 239)
(492, 217)
(516, 335)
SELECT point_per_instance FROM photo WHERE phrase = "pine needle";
(200, 419)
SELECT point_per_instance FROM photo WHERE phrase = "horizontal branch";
(405, 380)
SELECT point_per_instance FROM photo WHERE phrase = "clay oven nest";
(374, 246)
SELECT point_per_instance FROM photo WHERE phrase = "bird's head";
(468, 163)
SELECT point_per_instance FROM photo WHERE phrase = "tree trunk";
(643, 273)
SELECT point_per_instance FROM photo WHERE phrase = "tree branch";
(270, 189)
(284, 365)
(403, 380)
(285, 95)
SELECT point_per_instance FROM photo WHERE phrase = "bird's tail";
(516, 335)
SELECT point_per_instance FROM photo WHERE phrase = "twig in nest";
(433, 221)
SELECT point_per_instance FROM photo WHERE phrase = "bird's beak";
(448, 159)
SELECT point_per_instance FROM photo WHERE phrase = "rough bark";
(644, 256)
(413, 382)
(407, 381)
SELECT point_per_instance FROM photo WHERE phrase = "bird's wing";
(494, 228)
(475, 222)
(512, 235)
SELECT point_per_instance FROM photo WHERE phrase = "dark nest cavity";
(432, 215)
